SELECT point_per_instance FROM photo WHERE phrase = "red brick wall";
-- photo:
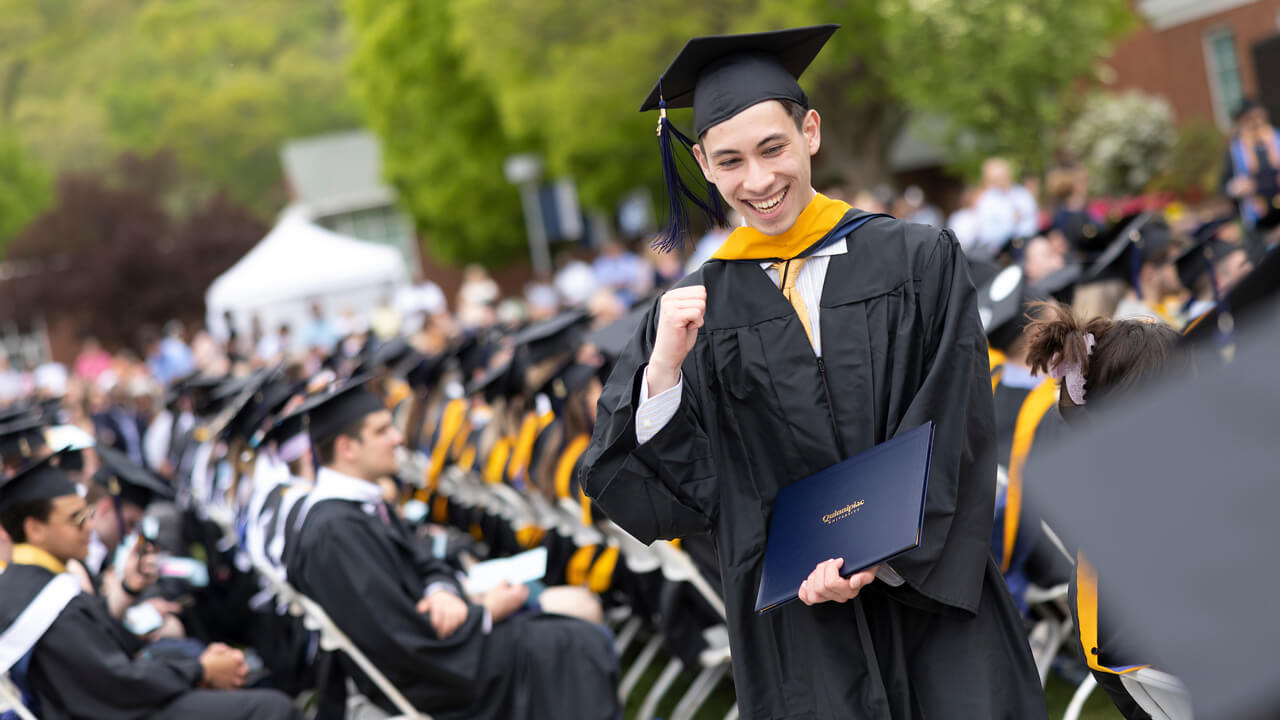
(1171, 62)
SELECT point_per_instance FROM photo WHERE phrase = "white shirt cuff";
(655, 412)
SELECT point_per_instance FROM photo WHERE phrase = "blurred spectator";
(384, 320)
(10, 380)
(92, 360)
(575, 281)
(319, 333)
(1004, 210)
(1040, 259)
(619, 269)
(418, 302)
(711, 242)
(477, 297)
(1068, 188)
(605, 307)
(964, 221)
(119, 426)
(1251, 171)
(542, 301)
(667, 268)
(168, 357)
(918, 209)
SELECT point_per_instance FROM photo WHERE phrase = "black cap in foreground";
(1181, 533)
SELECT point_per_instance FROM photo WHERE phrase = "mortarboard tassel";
(675, 230)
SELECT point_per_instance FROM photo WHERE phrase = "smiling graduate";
(815, 332)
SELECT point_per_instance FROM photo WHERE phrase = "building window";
(1223, 67)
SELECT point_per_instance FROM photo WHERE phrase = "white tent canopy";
(297, 264)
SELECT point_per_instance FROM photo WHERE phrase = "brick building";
(1203, 55)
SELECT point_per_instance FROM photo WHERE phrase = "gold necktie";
(788, 271)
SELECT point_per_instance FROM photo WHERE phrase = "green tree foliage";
(24, 188)
(219, 83)
(443, 145)
(1004, 72)
(571, 77)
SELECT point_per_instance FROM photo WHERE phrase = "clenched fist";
(679, 317)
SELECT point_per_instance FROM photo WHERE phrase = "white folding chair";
(332, 639)
(1082, 693)
(1052, 625)
(1162, 695)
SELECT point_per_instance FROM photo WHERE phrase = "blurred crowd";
(495, 398)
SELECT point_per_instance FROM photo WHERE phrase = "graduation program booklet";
(526, 567)
(867, 509)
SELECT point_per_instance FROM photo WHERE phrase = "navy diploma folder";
(866, 509)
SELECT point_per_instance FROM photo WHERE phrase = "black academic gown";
(87, 666)
(369, 577)
(902, 344)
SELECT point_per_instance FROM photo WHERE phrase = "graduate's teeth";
(769, 204)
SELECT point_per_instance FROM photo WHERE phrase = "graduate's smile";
(769, 207)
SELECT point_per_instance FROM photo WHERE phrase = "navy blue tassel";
(675, 229)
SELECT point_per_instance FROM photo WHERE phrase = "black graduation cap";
(501, 381)
(21, 437)
(125, 479)
(1200, 258)
(426, 372)
(1138, 237)
(10, 413)
(287, 427)
(1252, 297)
(719, 76)
(1059, 284)
(1081, 230)
(1000, 306)
(981, 270)
(471, 354)
(546, 339)
(328, 414)
(396, 356)
(41, 480)
(1183, 534)
(612, 339)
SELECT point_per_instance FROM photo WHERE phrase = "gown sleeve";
(92, 674)
(947, 568)
(666, 487)
(357, 585)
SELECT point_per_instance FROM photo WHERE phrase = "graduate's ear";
(702, 162)
(811, 128)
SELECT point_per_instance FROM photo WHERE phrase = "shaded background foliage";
(452, 87)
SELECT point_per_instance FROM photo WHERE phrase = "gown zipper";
(831, 407)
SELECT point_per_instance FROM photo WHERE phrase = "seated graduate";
(1210, 269)
(76, 660)
(1097, 363)
(406, 611)
(1022, 398)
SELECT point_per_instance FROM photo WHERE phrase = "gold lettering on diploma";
(842, 513)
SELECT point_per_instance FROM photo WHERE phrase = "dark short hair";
(13, 519)
(1246, 105)
(327, 450)
(793, 108)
